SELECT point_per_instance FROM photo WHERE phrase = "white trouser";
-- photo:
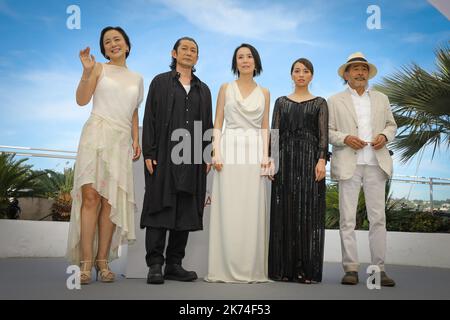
(373, 180)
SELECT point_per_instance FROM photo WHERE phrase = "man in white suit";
(360, 125)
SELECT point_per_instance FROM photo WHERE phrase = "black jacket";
(156, 144)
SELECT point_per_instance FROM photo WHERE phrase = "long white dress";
(238, 232)
(104, 157)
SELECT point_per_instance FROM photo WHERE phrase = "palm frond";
(421, 106)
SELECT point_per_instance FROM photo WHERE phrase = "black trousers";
(155, 241)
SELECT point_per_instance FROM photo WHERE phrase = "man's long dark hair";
(173, 65)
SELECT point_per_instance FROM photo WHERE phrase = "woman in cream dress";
(238, 238)
(102, 216)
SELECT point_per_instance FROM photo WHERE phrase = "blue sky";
(40, 69)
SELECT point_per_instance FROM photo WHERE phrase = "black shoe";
(155, 274)
(350, 278)
(386, 281)
(177, 272)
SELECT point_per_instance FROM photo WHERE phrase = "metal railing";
(430, 181)
(54, 153)
(64, 154)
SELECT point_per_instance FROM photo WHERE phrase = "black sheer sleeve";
(274, 132)
(323, 130)
(276, 115)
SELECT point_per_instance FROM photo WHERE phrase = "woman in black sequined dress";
(297, 218)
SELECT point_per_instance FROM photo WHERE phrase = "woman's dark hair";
(256, 58)
(304, 62)
(173, 64)
(124, 35)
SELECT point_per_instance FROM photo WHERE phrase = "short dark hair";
(124, 35)
(173, 64)
(308, 64)
(256, 58)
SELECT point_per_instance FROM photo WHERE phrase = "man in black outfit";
(178, 111)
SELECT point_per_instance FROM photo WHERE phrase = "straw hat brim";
(372, 69)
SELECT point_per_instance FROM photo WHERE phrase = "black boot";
(177, 272)
(155, 274)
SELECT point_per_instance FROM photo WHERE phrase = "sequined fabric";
(297, 218)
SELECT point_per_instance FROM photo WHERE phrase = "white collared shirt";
(362, 107)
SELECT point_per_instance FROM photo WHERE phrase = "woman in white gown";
(238, 235)
(102, 216)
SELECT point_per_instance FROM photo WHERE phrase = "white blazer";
(343, 122)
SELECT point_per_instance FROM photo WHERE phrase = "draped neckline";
(240, 94)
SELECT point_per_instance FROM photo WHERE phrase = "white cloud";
(425, 166)
(64, 140)
(6, 10)
(385, 66)
(414, 38)
(8, 133)
(48, 95)
(4, 62)
(39, 107)
(47, 20)
(229, 17)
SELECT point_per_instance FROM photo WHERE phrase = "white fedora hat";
(357, 57)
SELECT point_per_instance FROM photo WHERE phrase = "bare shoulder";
(266, 92)
(98, 68)
(223, 89)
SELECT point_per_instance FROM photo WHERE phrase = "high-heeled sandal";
(106, 275)
(302, 279)
(85, 275)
